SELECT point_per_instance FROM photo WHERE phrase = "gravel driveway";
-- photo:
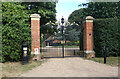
(71, 67)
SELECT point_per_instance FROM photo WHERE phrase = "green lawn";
(113, 61)
(12, 69)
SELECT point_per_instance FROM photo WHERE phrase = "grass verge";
(113, 61)
(14, 69)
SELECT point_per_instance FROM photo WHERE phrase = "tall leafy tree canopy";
(76, 16)
(45, 9)
(97, 10)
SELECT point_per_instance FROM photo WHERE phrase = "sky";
(66, 7)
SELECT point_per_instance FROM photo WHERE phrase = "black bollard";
(63, 50)
(74, 52)
(104, 54)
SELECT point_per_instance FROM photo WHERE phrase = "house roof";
(56, 41)
(67, 41)
(52, 38)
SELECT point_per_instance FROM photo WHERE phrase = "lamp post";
(62, 21)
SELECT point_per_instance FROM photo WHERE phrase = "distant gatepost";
(88, 37)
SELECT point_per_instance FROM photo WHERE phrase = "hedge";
(16, 26)
(106, 33)
(15, 30)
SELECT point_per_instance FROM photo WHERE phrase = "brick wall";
(89, 36)
(35, 34)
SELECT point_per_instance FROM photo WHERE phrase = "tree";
(47, 30)
(102, 9)
(72, 32)
(72, 35)
(76, 16)
(45, 9)
(16, 26)
(97, 10)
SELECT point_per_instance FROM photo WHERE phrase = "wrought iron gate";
(64, 43)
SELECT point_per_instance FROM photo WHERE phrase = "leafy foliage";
(15, 29)
(72, 32)
(97, 10)
(102, 9)
(45, 9)
(76, 16)
(16, 26)
(49, 29)
(106, 33)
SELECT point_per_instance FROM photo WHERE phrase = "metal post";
(63, 41)
(104, 54)
(83, 40)
(62, 21)
(74, 52)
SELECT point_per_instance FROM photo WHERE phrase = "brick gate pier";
(87, 36)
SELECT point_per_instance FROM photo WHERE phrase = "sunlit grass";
(113, 61)
(13, 69)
